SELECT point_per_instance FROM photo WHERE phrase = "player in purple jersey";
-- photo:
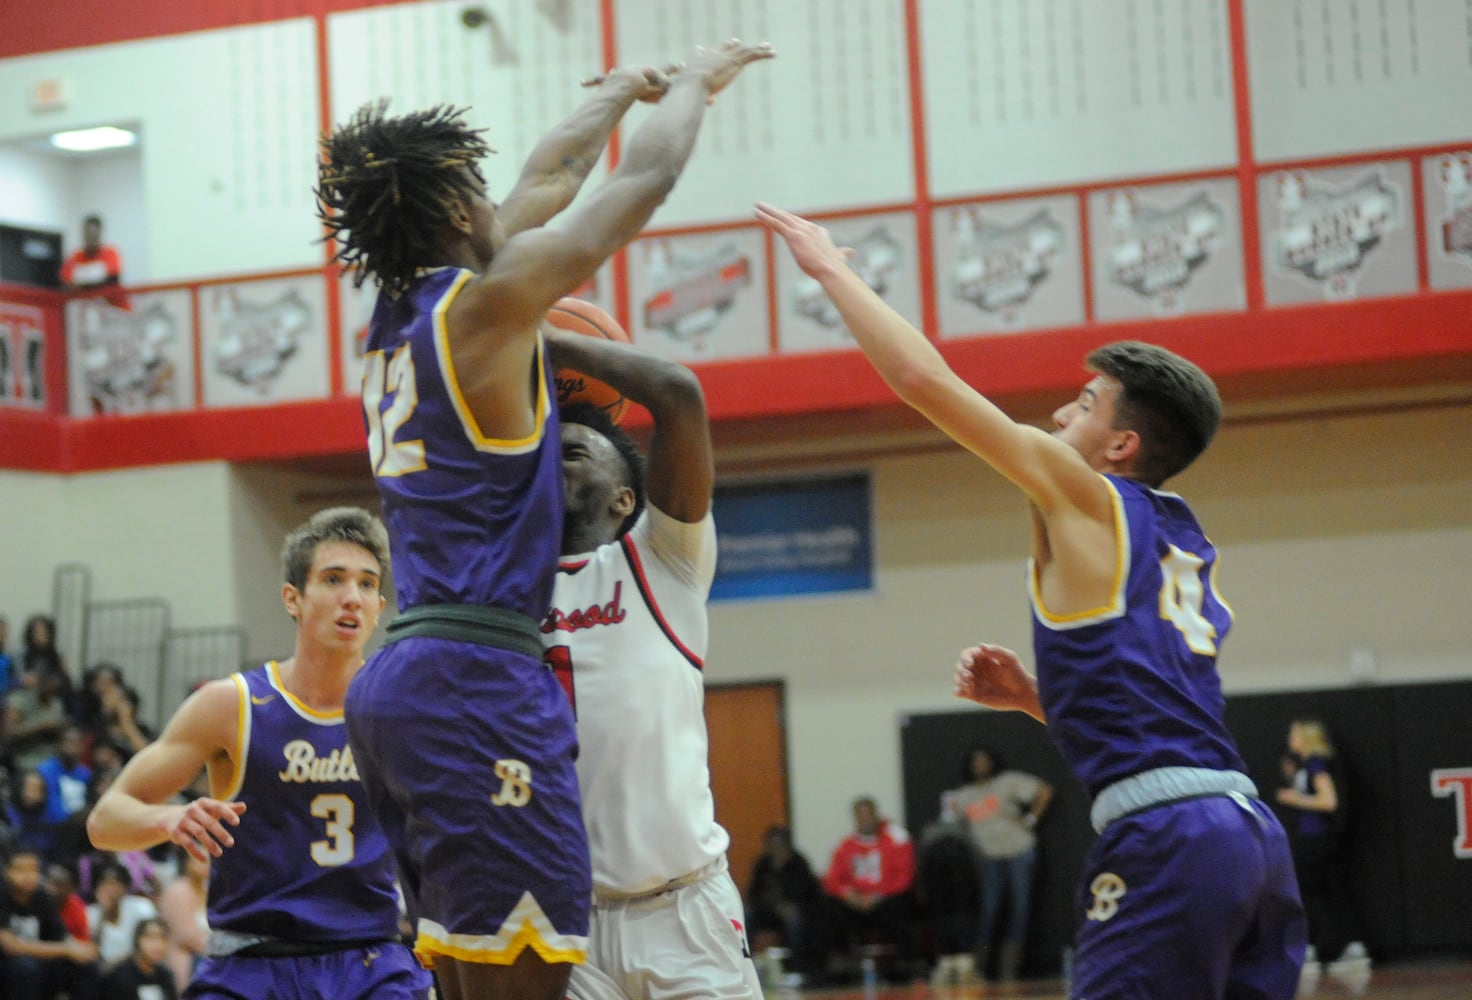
(302, 900)
(1189, 891)
(465, 741)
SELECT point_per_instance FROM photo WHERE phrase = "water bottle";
(1068, 970)
(871, 974)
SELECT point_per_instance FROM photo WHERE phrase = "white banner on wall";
(1166, 250)
(696, 298)
(264, 342)
(1337, 234)
(22, 356)
(136, 360)
(1447, 183)
(1007, 266)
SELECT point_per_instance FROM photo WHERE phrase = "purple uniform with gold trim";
(1189, 891)
(303, 904)
(467, 748)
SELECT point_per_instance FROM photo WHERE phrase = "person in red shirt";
(868, 883)
(96, 268)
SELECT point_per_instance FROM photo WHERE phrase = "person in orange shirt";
(96, 268)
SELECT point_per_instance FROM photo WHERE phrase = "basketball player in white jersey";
(627, 638)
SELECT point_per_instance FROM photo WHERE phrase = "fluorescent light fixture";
(89, 140)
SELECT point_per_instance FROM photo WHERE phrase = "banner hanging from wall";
(22, 356)
(779, 538)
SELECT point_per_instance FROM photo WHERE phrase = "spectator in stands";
(33, 831)
(66, 777)
(97, 267)
(1001, 808)
(38, 959)
(144, 973)
(7, 666)
(96, 679)
(61, 883)
(35, 717)
(948, 891)
(868, 883)
(785, 900)
(116, 914)
(182, 906)
(1314, 798)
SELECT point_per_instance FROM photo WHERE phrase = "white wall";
(36, 191)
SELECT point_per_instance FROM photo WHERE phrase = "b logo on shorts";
(516, 784)
(1107, 888)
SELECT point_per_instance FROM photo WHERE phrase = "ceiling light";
(89, 140)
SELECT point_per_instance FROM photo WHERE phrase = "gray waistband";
(222, 943)
(604, 897)
(1161, 785)
(477, 623)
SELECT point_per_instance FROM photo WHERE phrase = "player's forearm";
(667, 389)
(901, 354)
(658, 151)
(567, 154)
(123, 823)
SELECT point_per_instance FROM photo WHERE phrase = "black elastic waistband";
(477, 623)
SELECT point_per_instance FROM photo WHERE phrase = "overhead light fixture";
(90, 140)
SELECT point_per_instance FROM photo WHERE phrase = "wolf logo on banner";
(1328, 234)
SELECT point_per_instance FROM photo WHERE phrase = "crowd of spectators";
(76, 921)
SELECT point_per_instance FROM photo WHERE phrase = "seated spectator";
(182, 906)
(868, 885)
(947, 888)
(144, 974)
(38, 959)
(97, 679)
(118, 721)
(785, 901)
(32, 829)
(116, 914)
(35, 717)
(66, 777)
(61, 883)
(39, 655)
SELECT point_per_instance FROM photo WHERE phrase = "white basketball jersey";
(627, 637)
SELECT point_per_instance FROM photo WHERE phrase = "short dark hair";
(386, 187)
(967, 775)
(335, 524)
(93, 220)
(1171, 403)
(596, 418)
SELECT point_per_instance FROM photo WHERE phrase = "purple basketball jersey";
(1133, 685)
(310, 863)
(471, 519)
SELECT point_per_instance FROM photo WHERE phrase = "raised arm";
(136, 812)
(1048, 471)
(681, 470)
(561, 162)
(538, 266)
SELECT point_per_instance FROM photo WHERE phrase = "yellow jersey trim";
(1115, 606)
(525, 927)
(457, 398)
(242, 739)
(273, 674)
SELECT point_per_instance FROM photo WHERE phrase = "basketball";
(581, 316)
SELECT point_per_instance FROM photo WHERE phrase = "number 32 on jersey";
(382, 379)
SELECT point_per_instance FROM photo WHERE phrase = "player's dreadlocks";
(386, 187)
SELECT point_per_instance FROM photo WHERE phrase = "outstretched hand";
(995, 677)
(720, 65)
(648, 83)
(812, 246)
(200, 827)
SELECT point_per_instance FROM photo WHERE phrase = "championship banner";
(697, 298)
(886, 256)
(1337, 234)
(1167, 250)
(794, 536)
(264, 342)
(134, 360)
(22, 356)
(1007, 266)
(1447, 183)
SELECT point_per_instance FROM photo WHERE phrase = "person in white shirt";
(114, 918)
(627, 638)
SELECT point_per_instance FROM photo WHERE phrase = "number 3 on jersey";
(387, 455)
